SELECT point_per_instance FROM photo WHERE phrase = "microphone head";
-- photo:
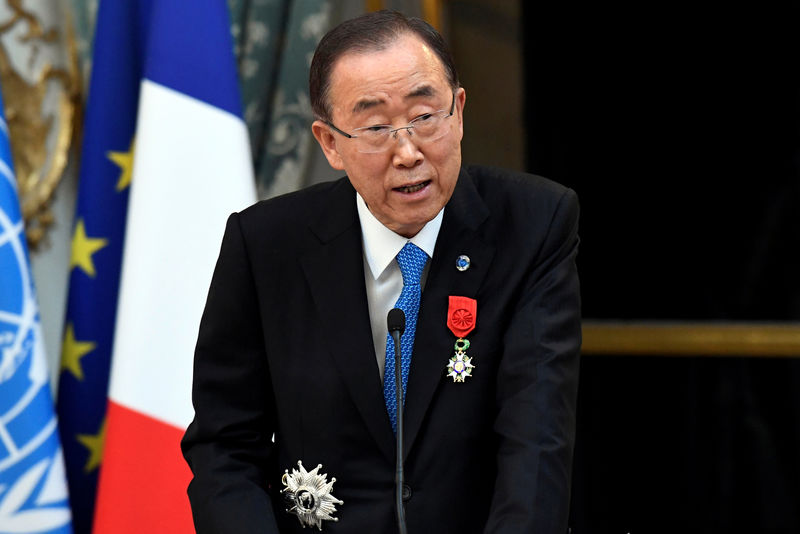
(396, 320)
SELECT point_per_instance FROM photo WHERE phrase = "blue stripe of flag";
(189, 61)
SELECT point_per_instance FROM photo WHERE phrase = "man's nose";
(406, 152)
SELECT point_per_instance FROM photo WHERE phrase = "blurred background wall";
(679, 127)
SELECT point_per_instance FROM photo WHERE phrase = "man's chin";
(410, 226)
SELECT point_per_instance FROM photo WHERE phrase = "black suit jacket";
(285, 347)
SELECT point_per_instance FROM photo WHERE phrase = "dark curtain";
(679, 127)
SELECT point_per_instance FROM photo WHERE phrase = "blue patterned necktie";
(411, 260)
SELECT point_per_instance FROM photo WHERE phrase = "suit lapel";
(335, 273)
(433, 344)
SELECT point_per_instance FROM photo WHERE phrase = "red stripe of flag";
(143, 479)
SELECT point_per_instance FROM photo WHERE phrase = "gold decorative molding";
(432, 13)
(431, 10)
(373, 5)
(691, 339)
(42, 109)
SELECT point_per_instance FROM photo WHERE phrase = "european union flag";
(97, 243)
(33, 492)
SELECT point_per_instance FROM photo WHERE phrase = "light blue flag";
(33, 491)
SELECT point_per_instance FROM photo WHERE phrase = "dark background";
(679, 127)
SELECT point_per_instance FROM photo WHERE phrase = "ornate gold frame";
(691, 338)
(431, 10)
(39, 172)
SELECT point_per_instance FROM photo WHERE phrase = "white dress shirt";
(382, 275)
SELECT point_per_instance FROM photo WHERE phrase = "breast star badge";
(309, 496)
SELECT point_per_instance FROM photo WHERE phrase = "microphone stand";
(396, 322)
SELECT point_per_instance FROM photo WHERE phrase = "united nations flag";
(33, 491)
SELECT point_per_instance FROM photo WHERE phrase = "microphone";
(396, 323)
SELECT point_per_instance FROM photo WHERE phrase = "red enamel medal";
(462, 313)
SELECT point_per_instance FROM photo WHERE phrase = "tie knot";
(411, 260)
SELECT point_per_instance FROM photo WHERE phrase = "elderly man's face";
(406, 185)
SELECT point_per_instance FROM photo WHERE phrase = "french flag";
(191, 169)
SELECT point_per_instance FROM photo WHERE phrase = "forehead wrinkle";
(355, 71)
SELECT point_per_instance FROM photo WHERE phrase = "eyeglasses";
(374, 139)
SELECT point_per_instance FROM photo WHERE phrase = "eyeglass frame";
(408, 127)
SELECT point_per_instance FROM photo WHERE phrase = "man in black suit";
(290, 360)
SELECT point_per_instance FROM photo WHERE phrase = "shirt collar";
(381, 245)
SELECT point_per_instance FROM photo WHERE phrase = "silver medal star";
(309, 496)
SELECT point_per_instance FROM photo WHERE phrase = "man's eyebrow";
(423, 90)
(365, 104)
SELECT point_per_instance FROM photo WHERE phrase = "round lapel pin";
(462, 262)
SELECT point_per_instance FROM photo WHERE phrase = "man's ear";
(327, 141)
(461, 101)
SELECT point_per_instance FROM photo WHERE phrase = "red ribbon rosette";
(462, 313)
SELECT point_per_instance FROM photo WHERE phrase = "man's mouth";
(413, 188)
